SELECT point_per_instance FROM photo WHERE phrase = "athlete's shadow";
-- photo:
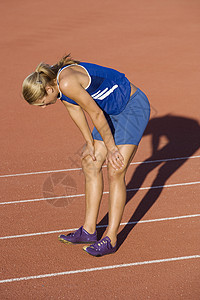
(183, 140)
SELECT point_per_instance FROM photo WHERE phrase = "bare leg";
(118, 191)
(93, 185)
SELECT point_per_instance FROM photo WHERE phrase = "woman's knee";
(128, 152)
(90, 166)
(114, 174)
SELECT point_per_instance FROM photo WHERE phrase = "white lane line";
(43, 199)
(78, 169)
(82, 195)
(140, 263)
(100, 226)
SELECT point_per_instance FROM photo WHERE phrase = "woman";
(119, 111)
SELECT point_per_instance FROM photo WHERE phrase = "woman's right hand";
(88, 149)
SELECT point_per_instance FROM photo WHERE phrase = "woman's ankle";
(89, 229)
(113, 238)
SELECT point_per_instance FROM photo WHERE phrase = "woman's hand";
(115, 158)
(88, 149)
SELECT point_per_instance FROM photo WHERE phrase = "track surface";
(42, 188)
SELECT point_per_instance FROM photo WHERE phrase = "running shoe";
(80, 236)
(100, 248)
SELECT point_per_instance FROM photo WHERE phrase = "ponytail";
(34, 86)
(65, 61)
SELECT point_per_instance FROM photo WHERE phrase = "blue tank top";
(109, 88)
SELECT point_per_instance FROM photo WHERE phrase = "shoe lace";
(99, 244)
(75, 233)
(102, 242)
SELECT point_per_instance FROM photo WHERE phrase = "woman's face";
(50, 98)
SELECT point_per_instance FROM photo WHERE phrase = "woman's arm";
(78, 116)
(72, 88)
(80, 120)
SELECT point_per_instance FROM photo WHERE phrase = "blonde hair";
(34, 85)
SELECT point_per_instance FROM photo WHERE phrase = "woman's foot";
(100, 248)
(80, 236)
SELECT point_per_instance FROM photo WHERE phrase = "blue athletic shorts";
(128, 126)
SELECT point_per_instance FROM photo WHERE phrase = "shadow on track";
(183, 136)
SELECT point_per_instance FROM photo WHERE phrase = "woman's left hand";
(115, 158)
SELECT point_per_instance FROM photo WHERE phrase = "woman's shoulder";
(67, 77)
(72, 75)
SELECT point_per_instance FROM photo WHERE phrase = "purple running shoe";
(100, 248)
(80, 236)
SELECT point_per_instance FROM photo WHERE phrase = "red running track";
(157, 45)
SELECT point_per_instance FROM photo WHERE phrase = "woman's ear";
(49, 90)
